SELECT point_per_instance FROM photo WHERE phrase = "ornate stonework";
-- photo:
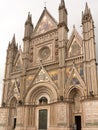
(51, 84)
(44, 53)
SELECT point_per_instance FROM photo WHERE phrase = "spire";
(13, 39)
(63, 15)
(29, 19)
(28, 26)
(89, 51)
(86, 15)
(74, 27)
(62, 4)
(13, 44)
(86, 9)
(88, 29)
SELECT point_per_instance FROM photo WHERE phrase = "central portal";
(78, 122)
(43, 119)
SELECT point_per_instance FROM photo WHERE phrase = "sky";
(13, 14)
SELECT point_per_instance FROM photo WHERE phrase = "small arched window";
(13, 102)
(43, 100)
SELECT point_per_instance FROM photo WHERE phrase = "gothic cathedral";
(51, 84)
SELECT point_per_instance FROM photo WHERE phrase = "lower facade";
(61, 115)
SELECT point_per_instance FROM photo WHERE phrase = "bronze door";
(43, 119)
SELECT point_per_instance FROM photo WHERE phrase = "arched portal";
(13, 112)
(75, 109)
(40, 96)
(39, 90)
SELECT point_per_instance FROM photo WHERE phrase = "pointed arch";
(41, 89)
(77, 88)
(13, 102)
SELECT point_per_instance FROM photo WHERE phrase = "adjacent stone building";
(51, 84)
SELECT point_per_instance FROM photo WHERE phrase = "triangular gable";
(14, 90)
(75, 78)
(45, 23)
(74, 37)
(75, 49)
(18, 62)
(42, 76)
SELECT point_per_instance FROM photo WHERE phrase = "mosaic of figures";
(69, 71)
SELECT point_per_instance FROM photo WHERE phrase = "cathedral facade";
(51, 84)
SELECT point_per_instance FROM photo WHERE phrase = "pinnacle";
(87, 12)
(13, 39)
(62, 4)
(74, 26)
(29, 18)
(86, 9)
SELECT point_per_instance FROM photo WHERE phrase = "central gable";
(75, 45)
(45, 23)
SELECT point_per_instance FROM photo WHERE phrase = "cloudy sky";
(13, 14)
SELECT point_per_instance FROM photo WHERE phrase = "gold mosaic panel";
(80, 70)
(45, 25)
(54, 76)
(29, 79)
(68, 71)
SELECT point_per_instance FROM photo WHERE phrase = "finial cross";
(45, 3)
